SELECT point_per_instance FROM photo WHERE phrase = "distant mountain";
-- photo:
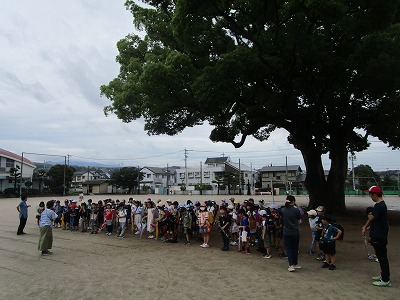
(73, 163)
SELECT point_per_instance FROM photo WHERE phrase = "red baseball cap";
(374, 189)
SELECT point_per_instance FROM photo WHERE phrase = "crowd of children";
(244, 225)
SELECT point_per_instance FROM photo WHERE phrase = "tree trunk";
(327, 191)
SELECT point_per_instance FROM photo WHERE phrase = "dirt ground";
(85, 266)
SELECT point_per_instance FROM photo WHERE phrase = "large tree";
(59, 178)
(327, 71)
(126, 178)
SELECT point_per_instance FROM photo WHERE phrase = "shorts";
(267, 240)
(187, 230)
(329, 248)
(202, 229)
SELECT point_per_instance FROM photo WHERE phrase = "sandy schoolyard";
(85, 266)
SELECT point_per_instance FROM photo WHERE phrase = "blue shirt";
(329, 233)
(47, 217)
(23, 210)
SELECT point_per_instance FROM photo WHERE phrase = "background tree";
(55, 180)
(15, 176)
(126, 178)
(39, 174)
(328, 72)
(366, 177)
(219, 180)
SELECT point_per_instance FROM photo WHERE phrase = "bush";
(11, 192)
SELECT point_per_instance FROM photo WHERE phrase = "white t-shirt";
(122, 215)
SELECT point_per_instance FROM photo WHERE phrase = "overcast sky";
(54, 57)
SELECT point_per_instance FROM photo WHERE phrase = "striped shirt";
(47, 217)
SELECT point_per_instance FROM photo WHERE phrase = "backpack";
(210, 217)
(340, 227)
(271, 225)
(252, 223)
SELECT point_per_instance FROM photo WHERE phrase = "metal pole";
(286, 181)
(201, 179)
(65, 167)
(138, 180)
(240, 179)
(167, 180)
(272, 192)
(20, 180)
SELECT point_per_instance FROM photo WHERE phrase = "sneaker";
(202, 245)
(321, 258)
(376, 260)
(234, 243)
(291, 269)
(267, 255)
(332, 267)
(137, 232)
(325, 265)
(151, 237)
(283, 255)
(381, 283)
(377, 278)
(206, 246)
(46, 252)
(296, 266)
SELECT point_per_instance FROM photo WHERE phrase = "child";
(266, 235)
(74, 218)
(224, 224)
(58, 211)
(244, 232)
(121, 217)
(234, 228)
(108, 216)
(318, 234)
(150, 216)
(83, 216)
(39, 209)
(93, 219)
(204, 225)
(187, 224)
(330, 235)
(65, 215)
(312, 214)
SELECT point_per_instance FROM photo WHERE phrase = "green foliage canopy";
(327, 71)
(126, 178)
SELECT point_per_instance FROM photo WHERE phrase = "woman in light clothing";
(46, 229)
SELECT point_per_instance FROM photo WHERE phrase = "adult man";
(291, 232)
(379, 228)
(22, 208)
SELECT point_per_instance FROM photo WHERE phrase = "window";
(148, 175)
(10, 163)
(181, 175)
(206, 174)
(190, 175)
(197, 174)
(278, 177)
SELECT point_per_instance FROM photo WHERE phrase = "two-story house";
(9, 160)
(280, 176)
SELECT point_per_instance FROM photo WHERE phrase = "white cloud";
(56, 55)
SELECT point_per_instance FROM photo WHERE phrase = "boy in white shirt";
(121, 218)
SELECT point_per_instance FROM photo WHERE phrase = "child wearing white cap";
(312, 214)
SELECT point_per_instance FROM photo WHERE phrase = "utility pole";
(286, 181)
(201, 179)
(138, 180)
(186, 172)
(240, 179)
(353, 158)
(167, 180)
